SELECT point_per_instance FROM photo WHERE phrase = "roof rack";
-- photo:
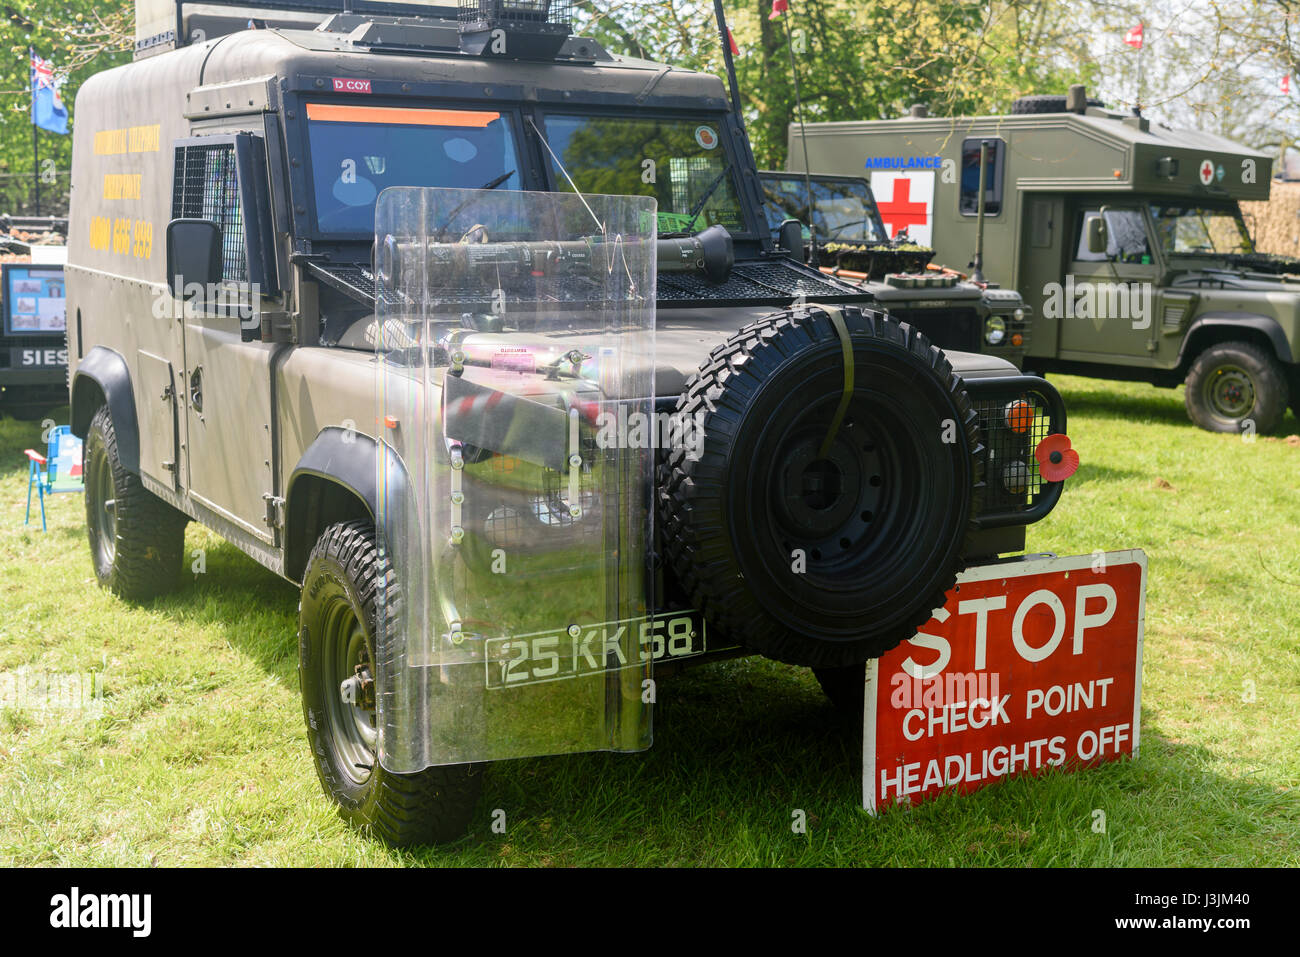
(534, 29)
(161, 24)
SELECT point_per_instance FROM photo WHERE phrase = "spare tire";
(1046, 103)
(816, 550)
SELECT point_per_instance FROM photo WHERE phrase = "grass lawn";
(200, 758)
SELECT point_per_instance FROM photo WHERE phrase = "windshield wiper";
(494, 183)
(490, 184)
(708, 194)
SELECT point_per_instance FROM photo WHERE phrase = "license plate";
(1028, 665)
(566, 652)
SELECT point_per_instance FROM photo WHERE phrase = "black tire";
(1232, 382)
(882, 521)
(340, 595)
(845, 687)
(1043, 103)
(136, 539)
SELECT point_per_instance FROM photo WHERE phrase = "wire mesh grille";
(517, 11)
(1011, 475)
(206, 186)
(747, 281)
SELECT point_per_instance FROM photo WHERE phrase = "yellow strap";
(846, 347)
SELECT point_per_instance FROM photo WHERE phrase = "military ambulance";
(851, 241)
(1124, 236)
(476, 331)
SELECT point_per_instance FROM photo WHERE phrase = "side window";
(205, 185)
(1126, 237)
(970, 176)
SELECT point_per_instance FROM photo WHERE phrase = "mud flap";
(511, 330)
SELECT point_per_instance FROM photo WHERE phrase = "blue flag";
(48, 111)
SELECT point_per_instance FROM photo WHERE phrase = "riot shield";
(514, 336)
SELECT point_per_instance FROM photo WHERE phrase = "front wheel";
(337, 654)
(1236, 387)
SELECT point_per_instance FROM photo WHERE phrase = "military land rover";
(477, 332)
(1124, 236)
(851, 241)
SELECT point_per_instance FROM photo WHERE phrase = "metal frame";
(376, 7)
(1002, 386)
(251, 172)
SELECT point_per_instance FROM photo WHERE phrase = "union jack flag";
(48, 111)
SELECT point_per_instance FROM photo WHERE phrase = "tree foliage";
(79, 37)
(1209, 64)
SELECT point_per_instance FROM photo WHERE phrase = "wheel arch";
(336, 480)
(1215, 328)
(102, 378)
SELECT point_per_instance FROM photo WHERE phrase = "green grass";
(200, 756)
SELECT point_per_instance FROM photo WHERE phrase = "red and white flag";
(778, 7)
(1134, 37)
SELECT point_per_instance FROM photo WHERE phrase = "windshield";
(843, 210)
(1201, 230)
(681, 163)
(356, 151)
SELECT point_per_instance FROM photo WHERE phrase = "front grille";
(1015, 491)
(960, 329)
(205, 185)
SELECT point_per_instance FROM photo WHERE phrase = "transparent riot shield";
(514, 338)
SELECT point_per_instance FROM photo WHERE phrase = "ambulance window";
(970, 176)
(206, 186)
(1126, 237)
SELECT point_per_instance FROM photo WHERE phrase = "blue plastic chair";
(58, 470)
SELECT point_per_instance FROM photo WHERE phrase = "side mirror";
(193, 256)
(790, 238)
(1097, 238)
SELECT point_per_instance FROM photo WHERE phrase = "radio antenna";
(803, 131)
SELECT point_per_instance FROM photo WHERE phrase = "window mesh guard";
(206, 186)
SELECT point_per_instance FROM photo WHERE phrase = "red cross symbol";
(1207, 171)
(900, 212)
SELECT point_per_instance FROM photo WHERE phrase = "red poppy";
(1056, 460)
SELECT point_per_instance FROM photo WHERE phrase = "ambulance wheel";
(136, 539)
(1232, 383)
(814, 530)
(336, 645)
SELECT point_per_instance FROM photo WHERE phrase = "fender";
(107, 369)
(1249, 320)
(345, 459)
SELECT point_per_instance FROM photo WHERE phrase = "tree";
(79, 37)
(858, 61)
